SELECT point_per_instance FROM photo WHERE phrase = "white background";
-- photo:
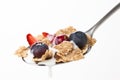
(19, 17)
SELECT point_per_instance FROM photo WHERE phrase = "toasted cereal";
(67, 31)
(66, 51)
(22, 51)
(64, 48)
(43, 39)
(91, 41)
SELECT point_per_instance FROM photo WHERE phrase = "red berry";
(45, 34)
(31, 39)
(59, 39)
(49, 36)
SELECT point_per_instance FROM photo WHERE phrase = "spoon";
(97, 25)
(89, 32)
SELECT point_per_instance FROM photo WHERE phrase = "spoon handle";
(93, 29)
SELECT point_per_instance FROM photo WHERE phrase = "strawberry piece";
(49, 36)
(45, 34)
(31, 39)
(59, 39)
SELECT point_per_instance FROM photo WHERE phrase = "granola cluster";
(65, 51)
(22, 51)
(67, 31)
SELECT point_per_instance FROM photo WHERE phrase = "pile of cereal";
(64, 46)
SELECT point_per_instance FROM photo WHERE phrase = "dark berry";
(59, 39)
(39, 49)
(79, 38)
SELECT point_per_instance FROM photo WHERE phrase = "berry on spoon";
(59, 39)
(31, 39)
(39, 49)
(79, 38)
(49, 36)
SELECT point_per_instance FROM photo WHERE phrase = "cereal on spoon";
(63, 46)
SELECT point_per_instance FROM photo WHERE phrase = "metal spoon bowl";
(97, 25)
(89, 32)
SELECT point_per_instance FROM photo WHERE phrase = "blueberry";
(39, 49)
(79, 38)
